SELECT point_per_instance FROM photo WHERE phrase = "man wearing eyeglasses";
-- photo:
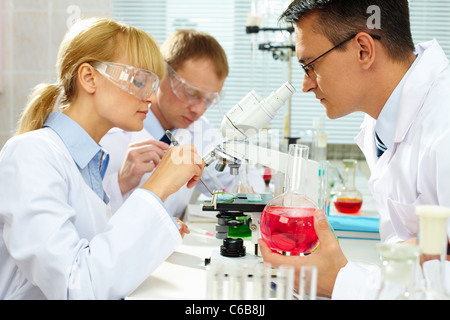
(197, 67)
(404, 90)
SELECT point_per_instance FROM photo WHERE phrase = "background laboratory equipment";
(433, 244)
(398, 271)
(335, 180)
(287, 221)
(319, 140)
(241, 184)
(324, 187)
(348, 198)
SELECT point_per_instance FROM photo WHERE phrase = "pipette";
(175, 143)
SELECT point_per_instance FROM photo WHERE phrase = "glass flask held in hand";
(287, 222)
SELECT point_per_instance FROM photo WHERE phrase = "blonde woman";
(58, 239)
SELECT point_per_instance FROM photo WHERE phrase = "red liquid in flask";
(289, 229)
(348, 205)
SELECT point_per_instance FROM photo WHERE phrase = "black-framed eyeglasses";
(309, 66)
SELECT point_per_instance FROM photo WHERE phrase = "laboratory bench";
(184, 274)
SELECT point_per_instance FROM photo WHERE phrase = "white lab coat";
(200, 134)
(57, 237)
(416, 170)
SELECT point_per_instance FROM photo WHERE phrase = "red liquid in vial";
(267, 175)
(348, 205)
(289, 229)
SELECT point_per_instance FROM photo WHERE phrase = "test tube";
(228, 281)
(285, 282)
(236, 283)
(307, 289)
(261, 279)
(215, 282)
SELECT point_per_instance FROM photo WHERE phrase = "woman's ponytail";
(40, 104)
(95, 39)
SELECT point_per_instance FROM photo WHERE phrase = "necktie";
(165, 139)
(104, 161)
(381, 148)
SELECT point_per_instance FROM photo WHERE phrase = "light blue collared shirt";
(88, 155)
(153, 126)
(385, 125)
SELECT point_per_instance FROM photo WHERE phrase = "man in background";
(197, 67)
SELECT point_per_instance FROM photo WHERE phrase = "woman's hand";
(180, 165)
(141, 157)
(184, 228)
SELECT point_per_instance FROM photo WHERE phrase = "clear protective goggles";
(189, 93)
(138, 82)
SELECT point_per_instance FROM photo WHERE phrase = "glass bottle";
(433, 243)
(398, 271)
(349, 199)
(241, 184)
(287, 222)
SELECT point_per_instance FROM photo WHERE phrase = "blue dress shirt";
(90, 158)
(153, 126)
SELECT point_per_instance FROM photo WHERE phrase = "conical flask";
(287, 222)
(349, 199)
(241, 184)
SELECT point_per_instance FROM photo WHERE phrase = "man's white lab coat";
(416, 170)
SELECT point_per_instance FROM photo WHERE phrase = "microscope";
(246, 118)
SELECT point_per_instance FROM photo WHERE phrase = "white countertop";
(183, 275)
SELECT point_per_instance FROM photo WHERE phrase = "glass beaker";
(348, 199)
(398, 271)
(287, 222)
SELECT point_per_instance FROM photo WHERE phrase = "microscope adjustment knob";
(232, 247)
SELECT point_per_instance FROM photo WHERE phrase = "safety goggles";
(136, 81)
(189, 93)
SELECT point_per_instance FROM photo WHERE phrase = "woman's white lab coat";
(57, 237)
(417, 169)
